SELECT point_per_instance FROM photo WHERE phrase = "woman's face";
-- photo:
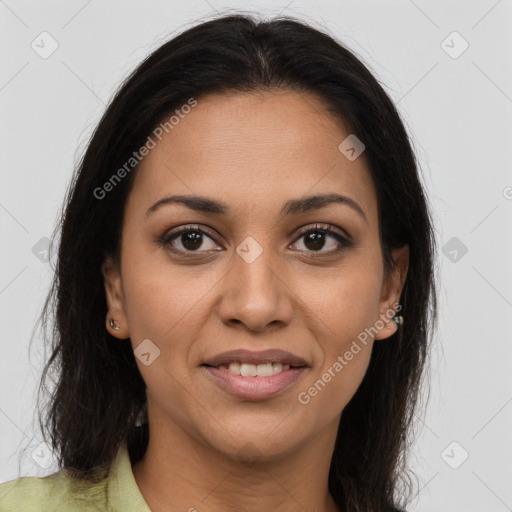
(261, 276)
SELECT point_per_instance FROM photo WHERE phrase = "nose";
(255, 293)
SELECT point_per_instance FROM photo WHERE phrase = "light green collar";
(123, 493)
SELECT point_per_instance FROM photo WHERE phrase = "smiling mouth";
(251, 382)
(254, 370)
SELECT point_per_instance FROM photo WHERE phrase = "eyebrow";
(291, 207)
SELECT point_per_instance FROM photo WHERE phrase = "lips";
(250, 357)
(254, 388)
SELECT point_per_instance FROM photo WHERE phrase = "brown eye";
(317, 241)
(191, 240)
(188, 240)
(317, 238)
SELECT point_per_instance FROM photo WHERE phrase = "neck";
(179, 472)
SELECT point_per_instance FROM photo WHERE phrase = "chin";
(254, 444)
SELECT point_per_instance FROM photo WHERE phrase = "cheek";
(169, 308)
(340, 378)
(346, 356)
(161, 302)
(346, 310)
(349, 302)
(162, 307)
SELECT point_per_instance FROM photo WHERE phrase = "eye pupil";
(191, 240)
(317, 239)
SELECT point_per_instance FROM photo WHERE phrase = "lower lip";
(255, 388)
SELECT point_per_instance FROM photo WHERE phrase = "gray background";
(457, 107)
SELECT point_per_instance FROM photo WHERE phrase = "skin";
(253, 151)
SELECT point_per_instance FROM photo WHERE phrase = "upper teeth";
(253, 370)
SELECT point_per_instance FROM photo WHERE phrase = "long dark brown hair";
(97, 399)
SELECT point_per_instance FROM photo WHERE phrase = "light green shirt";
(53, 493)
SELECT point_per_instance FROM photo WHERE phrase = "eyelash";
(345, 243)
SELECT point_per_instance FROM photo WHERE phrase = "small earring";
(113, 325)
(399, 320)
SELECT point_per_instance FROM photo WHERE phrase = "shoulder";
(59, 492)
(53, 493)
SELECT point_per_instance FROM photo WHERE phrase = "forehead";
(253, 149)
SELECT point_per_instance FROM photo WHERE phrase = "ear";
(115, 299)
(391, 290)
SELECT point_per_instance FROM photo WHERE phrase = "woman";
(245, 289)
